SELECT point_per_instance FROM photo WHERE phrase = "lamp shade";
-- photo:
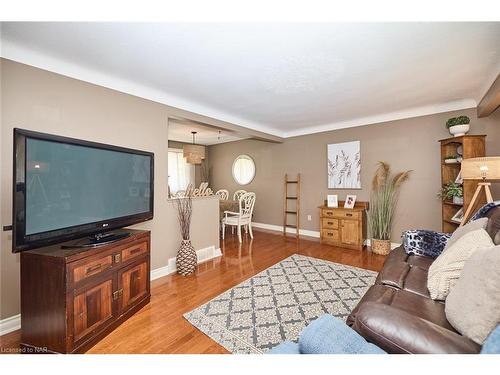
(194, 154)
(487, 168)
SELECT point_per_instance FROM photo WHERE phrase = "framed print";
(344, 165)
(350, 201)
(458, 217)
(332, 200)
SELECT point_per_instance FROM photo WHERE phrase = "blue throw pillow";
(492, 343)
(330, 335)
(287, 347)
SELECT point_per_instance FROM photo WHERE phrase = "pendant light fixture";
(194, 153)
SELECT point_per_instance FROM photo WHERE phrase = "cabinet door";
(350, 232)
(133, 283)
(92, 308)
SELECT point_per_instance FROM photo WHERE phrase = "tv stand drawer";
(134, 251)
(92, 268)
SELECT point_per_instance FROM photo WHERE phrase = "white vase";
(459, 130)
(458, 200)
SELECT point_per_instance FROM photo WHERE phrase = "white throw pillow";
(445, 270)
(473, 305)
(460, 231)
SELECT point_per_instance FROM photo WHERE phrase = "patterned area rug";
(276, 304)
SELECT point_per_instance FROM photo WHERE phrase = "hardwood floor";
(160, 328)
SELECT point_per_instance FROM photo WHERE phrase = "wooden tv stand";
(72, 298)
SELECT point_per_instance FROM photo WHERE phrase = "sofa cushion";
(420, 261)
(403, 271)
(469, 227)
(393, 273)
(397, 331)
(473, 305)
(445, 270)
(416, 282)
(414, 304)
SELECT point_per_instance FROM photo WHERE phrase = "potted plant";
(452, 191)
(458, 126)
(384, 197)
(186, 259)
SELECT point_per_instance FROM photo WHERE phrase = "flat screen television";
(67, 189)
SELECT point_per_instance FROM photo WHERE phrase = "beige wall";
(39, 100)
(405, 144)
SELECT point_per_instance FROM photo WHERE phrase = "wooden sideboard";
(343, 227)
(72, 298)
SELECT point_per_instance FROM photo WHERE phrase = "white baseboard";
(279, 228)
(13, 323)
(10, 324)
(203, 255)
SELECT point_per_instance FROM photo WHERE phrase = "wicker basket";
(186, 258)
(382, 247)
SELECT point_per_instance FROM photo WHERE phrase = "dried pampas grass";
(384, 197)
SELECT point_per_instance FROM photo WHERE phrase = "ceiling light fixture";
(194, 153)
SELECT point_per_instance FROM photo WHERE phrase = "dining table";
(228, 205)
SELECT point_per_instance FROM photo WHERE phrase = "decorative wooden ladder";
(286, 211)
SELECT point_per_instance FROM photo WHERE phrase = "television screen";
(68, 188)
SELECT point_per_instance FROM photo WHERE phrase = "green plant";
(460, 120)
(384, 197)
(450, 190)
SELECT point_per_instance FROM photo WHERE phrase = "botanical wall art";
(344, 165)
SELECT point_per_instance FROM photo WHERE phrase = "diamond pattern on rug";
(276, 304)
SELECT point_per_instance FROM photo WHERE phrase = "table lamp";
(485, 169)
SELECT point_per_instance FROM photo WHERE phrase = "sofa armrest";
(424, 242)
(397, 331)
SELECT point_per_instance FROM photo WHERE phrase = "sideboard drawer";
(134, 251)
(327, 213)
(330, 223)
(92, 268)
(348, 214)
(331, 235)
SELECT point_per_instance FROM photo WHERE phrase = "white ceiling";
(286, 78)
(180, 131)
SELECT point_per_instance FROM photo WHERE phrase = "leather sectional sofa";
(397, 313)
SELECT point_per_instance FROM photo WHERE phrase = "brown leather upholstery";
(408, 333)
(422, 307)
(404, 271)
(397, 313)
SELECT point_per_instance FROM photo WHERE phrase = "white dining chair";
(243, 217)
(238, 193)
(223, 194)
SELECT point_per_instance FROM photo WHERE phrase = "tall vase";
(186, 258)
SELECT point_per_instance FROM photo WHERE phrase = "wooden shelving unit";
(472, 146)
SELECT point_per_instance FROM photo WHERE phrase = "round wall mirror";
(243, 169)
